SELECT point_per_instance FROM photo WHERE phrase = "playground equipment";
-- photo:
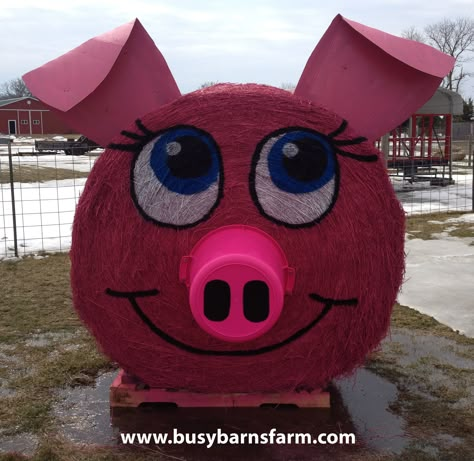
(420, 149)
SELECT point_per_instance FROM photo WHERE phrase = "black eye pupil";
(188, 157)
(305, 159)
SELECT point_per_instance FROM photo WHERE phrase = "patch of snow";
(465, 218)
(421, 198)
(82, 163)
(440, 235)
(439, 281)
(44, 215)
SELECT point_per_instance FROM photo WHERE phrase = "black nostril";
(256, 301)
(216, 300)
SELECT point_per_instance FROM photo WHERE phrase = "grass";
(43, 340)
(43, 347)
(405, 317)
(427, 226)
(41, 285)
(57, 450)
(430, 404)
(28, 174)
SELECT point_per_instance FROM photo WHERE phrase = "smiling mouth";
(132, 297)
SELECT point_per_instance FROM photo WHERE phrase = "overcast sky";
(263, 41)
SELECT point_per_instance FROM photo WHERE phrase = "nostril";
(216, 300)
(256, 301)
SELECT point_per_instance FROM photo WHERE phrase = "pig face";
(164, 211)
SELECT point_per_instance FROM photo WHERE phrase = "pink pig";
(241, 238)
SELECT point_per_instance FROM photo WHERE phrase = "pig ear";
(102, 86)
(372, 79)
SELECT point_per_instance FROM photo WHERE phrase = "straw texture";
(336, 218)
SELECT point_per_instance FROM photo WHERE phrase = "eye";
(177, 177)
(294, 177)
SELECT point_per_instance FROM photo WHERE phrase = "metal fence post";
(472, 181)
(469, 143)
(12, 190)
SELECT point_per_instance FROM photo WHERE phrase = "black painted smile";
(133, 295)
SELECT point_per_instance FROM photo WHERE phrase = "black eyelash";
(338, 131)
(147, 135)
(142, 139)
(143, 128)
(349, 142)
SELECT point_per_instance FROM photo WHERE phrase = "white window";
(36, 122)
(24, 122)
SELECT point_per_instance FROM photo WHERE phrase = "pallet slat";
(126, 391)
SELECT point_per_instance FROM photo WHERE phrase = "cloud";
(249, 40)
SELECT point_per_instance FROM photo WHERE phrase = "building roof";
(6, 102)
(444, 101)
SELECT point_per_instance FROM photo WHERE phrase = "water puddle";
(85, 414)
(416, 347)
(5, 391)
(367, 398)
(40, 340)
(359, 404)
(25, 444)
(437, 366)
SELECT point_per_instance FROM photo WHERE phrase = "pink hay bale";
(354, 252)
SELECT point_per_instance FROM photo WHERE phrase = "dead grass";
(430, 388)
(463, 230)
(405, 317)
(27, 174)
(53, 449)
(36, 297)
(43, 340)
(427, 226)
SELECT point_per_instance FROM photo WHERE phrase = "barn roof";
(6, 102)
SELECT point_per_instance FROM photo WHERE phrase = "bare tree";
(468, 110)
(288, 86)
(456, 38)
(207, 84)
(451, 36)
(15, 88)
(412, 34)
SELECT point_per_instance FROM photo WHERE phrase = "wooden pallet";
(127, 391)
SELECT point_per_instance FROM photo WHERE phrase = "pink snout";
(237, 278)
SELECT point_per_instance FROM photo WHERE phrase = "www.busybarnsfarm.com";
(219, 437)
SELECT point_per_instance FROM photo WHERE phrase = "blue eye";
(177, 177)
(185, 160)
(300, 162)
(294, 178)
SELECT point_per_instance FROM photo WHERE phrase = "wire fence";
(39, 192)
(437, 184)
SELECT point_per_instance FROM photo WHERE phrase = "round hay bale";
(269, 160)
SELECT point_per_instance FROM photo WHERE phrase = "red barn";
(29, 116)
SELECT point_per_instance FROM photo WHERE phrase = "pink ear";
(373, 79)
(103, 85)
